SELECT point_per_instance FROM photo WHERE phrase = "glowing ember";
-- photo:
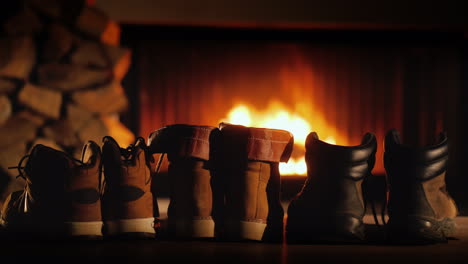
(278, 118)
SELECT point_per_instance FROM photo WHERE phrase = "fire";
(277, 117)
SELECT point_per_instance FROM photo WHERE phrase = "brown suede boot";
(83, 195)
(420, 209)
(331, 206)
(190, 207)
(245, 163)
(61, 195)
(127, 200)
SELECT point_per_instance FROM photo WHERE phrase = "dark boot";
(128, 205)
(61, 195)
(191, 198)
(39, 208)
(246, 159)
(331, 206)
(420, 209)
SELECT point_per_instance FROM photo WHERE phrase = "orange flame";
(277, 117)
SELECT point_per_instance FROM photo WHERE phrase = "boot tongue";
(136, 149)
(111, 160)
(90, 153)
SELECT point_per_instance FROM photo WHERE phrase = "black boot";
(330, 206)
(420, 208)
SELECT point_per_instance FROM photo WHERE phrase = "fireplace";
(339, 83)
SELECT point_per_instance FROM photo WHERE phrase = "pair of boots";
(68, 197)
(225, 181)
(331, 205)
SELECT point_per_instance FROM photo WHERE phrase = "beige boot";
(190, 207)
(246, 160)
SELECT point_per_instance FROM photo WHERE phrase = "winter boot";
(191, 198)
(61, 196)
(245, 160)
(83, 195)
(129, 209)
(420, 209)
(330, 206)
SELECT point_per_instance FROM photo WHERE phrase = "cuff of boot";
(182, 141)
(258, 144)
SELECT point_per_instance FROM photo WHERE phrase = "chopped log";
(104, 100)
(118, 131)
(120, 59)
(111, 34)
(17, 57)
(67, 77)
(17, 129)
(26, 22)
(90, 53)
(31, 117)
(62, 132)
(94, 130)
(7, 86)
(58, 44)
(5, 109)
(41, 100)
(46, 142)
(78, 116)
(95, 23)
(10, 156)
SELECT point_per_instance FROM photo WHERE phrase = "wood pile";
(60, 71)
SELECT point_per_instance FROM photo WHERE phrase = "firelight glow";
(277, 118)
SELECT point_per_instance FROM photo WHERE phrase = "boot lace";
(372, 201)
(128, 155)
(26, 197)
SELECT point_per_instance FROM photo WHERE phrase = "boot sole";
(196, 228)
(417, 230)
(244, 230)
(84, 229)
(140, 227)
(338, 229)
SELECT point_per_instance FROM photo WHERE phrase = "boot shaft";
(336, 175)
(245, 162)
(246, 193)
(188, 150)
(191, 196)
(191, 192)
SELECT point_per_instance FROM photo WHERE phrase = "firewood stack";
(61, 68)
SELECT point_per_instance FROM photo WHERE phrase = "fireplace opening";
(340, 84)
